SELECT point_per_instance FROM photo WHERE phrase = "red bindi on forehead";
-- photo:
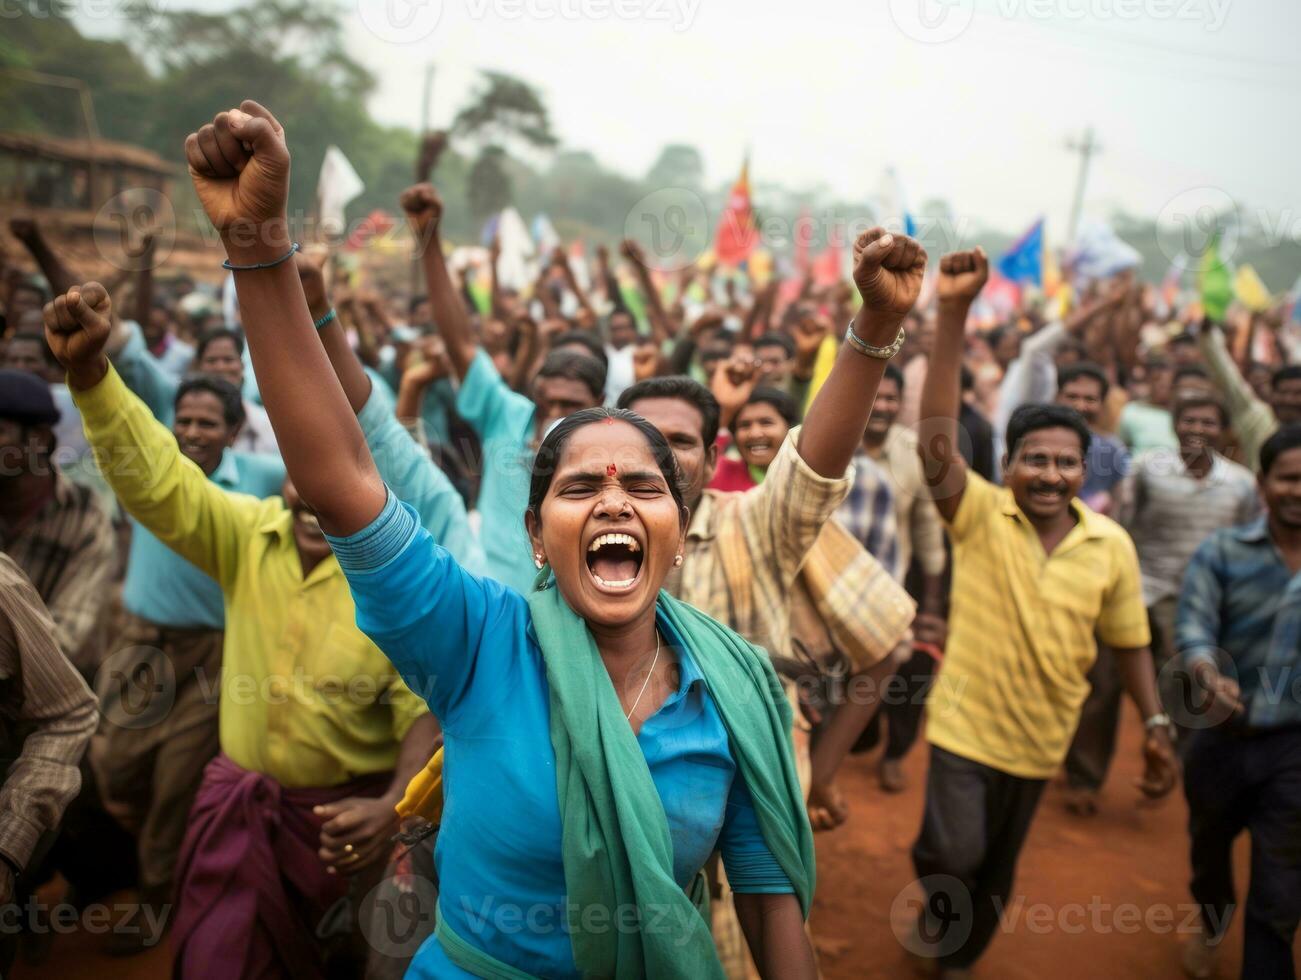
(611, 470)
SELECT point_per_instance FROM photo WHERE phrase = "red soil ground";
(1101, 897)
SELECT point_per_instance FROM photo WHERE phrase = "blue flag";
(1024, 261)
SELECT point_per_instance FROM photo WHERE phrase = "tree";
(678, 165)
(490, 185)
(505, 112)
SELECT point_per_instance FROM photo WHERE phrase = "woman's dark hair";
(575, 367)
(1032, 418)
(583, 338)
(217, 333)
(553, 447)
(232, 403)
(684, 389)
(1282, 441)
(782, 403)
(1076, 371)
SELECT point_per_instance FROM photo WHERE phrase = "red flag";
(803, 232)
(827, 267)
(737, 236)
(378, 222)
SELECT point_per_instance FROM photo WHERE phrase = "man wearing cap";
(58, 533)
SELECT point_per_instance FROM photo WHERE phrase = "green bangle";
(326, 319)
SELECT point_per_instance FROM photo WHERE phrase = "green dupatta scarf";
(617, 851)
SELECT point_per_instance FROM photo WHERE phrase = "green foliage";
(174, 68)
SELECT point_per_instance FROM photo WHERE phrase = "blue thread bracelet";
(262, 265)
(326, 319)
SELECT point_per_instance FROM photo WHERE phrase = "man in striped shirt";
(57, 532)
(1036, 575)
(47, 715)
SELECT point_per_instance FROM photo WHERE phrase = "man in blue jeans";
(1238, 630)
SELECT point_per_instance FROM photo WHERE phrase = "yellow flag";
(1250, 291)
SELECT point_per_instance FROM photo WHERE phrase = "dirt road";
(1103, 897)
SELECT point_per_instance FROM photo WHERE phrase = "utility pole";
(1086, 148)
(425, 101)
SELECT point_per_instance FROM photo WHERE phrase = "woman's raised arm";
(240, 166)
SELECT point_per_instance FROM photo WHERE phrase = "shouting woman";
(602, 739)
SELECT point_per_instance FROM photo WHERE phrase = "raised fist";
(312, 277)
(888, 270)
(631, 251)
(77, 326)
(709, 320)
(423, 207)
(240, 167)
(646, 360)
(962, 276)
(810, 332)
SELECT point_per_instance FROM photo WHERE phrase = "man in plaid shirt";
(57, 532)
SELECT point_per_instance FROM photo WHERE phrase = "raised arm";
(662, 328)
(60, 277)
(609, 283)
(888, 270)
(240, 167)
(560, 260)
(143, 301)
(138, 455)
(424, 210)
(962, 276)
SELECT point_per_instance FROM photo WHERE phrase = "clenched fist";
(239, 163)
(77, 326)
(888, 270)
(962, 276)
(423, 208)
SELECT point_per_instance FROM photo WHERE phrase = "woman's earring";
(677, 561)
(537, 560)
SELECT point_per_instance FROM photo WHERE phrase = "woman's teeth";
(625, 584)
(624, 539)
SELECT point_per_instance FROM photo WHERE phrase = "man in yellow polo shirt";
(319, 736)
(1036, 575)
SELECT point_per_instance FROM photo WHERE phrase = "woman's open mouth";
(615, 561)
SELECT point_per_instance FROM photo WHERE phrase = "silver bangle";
(868, 350)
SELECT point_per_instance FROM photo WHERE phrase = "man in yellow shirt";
(319, 736)
(1035, 575)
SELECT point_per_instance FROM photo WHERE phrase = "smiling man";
(147, 774)
(745, 551)
(318, 735)
(1171, 502)
(1035, 575)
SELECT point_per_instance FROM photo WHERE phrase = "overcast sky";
(970, 100)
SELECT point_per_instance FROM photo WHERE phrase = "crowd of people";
(566, 619)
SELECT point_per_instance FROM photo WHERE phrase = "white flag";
(338, 185)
